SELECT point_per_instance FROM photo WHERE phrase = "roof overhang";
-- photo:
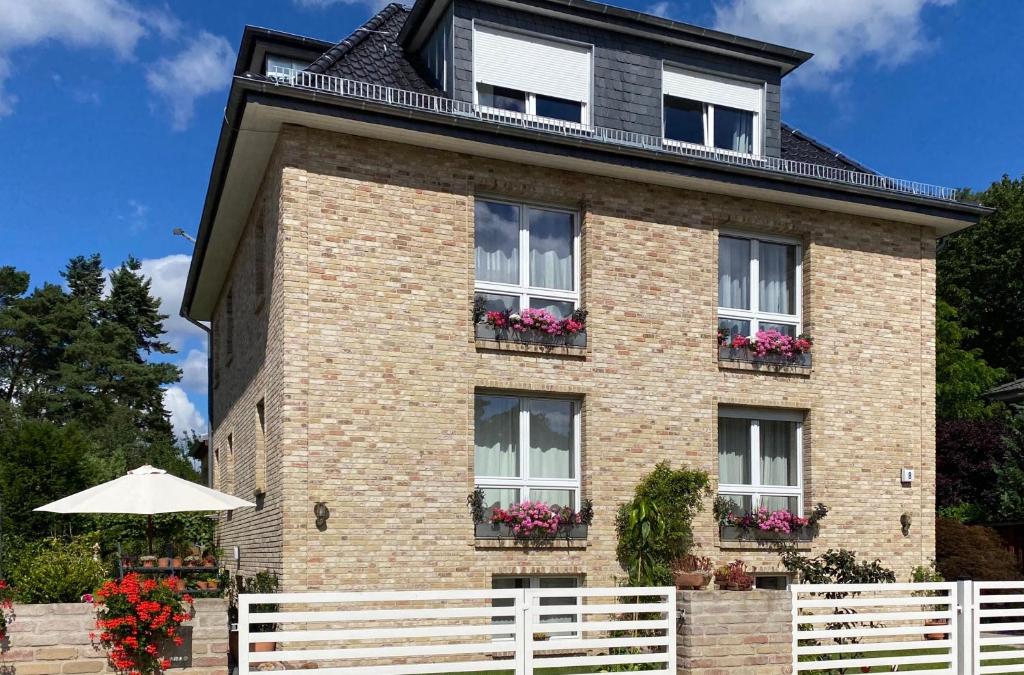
(425, 13)
(257, 108)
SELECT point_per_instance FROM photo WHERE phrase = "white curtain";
(497, 242)
(551, 439)
(775, 503)
(734, 129)
(733, 451)
(734, 273)
(553, 497)
(778, 453)
(551, 249)
(777, 267)
(497, 436)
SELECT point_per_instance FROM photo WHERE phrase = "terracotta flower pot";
(181, 585)
(202, 585)
(176, 562)
(213, 584)
(148, 562)
(936, 622)
(263, 647)
(690, 580)
(165, 562)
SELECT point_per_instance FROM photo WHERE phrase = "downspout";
(209, 394)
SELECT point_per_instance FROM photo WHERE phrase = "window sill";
(537, 343)
(743, 359)
(560, 544)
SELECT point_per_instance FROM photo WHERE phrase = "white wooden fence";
(969, 628)
(513, 632)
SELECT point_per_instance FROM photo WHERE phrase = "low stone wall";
(735, 633)
(50, 639)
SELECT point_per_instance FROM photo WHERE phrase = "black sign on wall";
(180, 656)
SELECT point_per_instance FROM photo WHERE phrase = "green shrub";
(836, 567)
(656, 526)
(972, 552)
(55, 571)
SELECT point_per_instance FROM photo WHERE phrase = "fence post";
(966, 662)
(243, 635)
(672, 631)
(524, 633)
(794, 613)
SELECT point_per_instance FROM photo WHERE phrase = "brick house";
(555, 155)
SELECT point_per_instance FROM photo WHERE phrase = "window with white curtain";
(527, 448)
(759, 281)
(713, 111)
(526, 256)
(760, 458)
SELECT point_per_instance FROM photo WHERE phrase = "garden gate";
(965, 628)
(512, 632)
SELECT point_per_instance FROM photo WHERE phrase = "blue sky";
(110, 109)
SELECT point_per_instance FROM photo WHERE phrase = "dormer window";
(283, 67)
(530, 75)
(711, 111)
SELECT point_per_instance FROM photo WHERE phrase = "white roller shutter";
(711, 89)
(531, 64)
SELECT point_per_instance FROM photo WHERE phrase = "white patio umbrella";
(146, 491)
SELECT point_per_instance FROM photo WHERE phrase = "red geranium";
(6, 609)
(134, 617)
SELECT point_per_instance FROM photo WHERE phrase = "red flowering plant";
(135, 617)
(767, 342)
(6, 610)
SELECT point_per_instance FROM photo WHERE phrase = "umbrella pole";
(149, 533)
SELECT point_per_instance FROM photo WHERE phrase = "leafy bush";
(655, 527)
(836, 567)
(967, 453)
(972, 552)
(52, 570)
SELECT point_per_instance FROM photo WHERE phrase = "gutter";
(209, 388)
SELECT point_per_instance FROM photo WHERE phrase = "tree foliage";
(967, 453)
(961, 374)
(979, 274)
(972, 552)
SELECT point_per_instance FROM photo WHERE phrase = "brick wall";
(374, 365)
(51, 639)
(738, 632)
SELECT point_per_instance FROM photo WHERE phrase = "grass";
(988, 661)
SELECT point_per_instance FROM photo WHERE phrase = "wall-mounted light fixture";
(322, 513)
(905, 524)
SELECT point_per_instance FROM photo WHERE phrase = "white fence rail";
(880, 627)
(445, 106)
(515, 632)
(997, 626)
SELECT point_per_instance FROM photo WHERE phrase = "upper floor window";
(712, 111)
(760, 461)
(530, 75)
(526, 256)
(281, 66)
(759, 284)
(527, 448)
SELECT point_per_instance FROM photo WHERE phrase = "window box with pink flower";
(763, 525)
(530, 326)
(528, 521)
(769, 347)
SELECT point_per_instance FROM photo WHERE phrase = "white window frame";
(709, 129)
(523, 482)
(531, 107)
(533, 582)
(756, 490)
(754, 315)
(523, 289)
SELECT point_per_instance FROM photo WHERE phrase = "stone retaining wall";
(50, 639)
(735, 632)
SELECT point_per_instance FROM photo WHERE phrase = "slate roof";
(1011, 392)
(372, 54)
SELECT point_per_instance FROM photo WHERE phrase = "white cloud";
(105, 24)
(168, 276)
(661, 8)
(202, 67)
(185, 417)
(839, 33)
(194, 370)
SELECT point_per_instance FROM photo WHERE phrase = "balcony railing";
(402, 98)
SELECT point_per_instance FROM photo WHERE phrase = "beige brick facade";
(363, 352)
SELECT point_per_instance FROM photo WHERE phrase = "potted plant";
(692, 572)
(263, 582)
(738, 577)
(721, 576)
(928, 574)
(193, 561)
(210, 560)
(147, 560)
(164, 563)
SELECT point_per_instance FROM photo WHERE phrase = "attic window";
(527, 74)
(282, 66)
(711, 111)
